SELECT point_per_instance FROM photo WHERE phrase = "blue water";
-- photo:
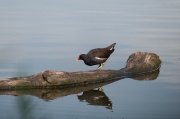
(41, 35)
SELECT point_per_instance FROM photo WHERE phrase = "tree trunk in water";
(139, 62)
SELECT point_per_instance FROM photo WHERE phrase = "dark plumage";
(97, 56)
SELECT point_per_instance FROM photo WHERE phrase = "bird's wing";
(102, 52)
(98, 52)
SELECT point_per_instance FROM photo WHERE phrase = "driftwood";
(137, 63)
(52, 94)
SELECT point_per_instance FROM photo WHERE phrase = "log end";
(142, 62)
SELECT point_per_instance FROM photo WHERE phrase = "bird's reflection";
(95, 97)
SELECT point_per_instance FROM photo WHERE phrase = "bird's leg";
(100, 66)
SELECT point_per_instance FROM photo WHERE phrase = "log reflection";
(51, 94)
(146, 76)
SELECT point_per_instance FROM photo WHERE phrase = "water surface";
(41, 35)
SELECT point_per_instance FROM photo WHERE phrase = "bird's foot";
(100, 66)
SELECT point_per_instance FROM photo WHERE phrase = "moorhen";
(97, 56)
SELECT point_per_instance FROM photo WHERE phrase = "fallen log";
(137, 63)
(52, 94)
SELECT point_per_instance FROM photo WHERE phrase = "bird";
(97, 56)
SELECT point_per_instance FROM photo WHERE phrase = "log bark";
(137, 63)
(52, 94)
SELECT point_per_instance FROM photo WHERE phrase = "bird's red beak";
(78, 59)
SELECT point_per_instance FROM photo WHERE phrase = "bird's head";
(79, 58)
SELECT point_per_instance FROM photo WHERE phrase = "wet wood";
(140, 62)
(52, 94)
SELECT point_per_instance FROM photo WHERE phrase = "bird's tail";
(111, 47)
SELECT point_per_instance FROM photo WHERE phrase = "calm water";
(41, 35)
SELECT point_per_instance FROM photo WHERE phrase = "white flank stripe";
(100, 58)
